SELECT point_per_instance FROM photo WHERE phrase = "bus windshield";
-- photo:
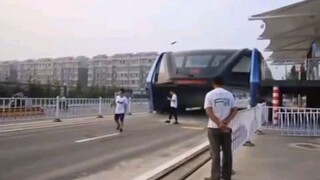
(199, 60)
(202, 63)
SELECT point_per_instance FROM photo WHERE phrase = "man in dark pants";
(220, 108)
(121, 102)
(173, 111)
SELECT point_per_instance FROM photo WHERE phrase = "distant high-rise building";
(120, 70)
(100, 71)
(60, 71)
(8, 71)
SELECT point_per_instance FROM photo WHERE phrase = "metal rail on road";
(186, 167)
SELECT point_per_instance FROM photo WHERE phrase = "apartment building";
(8, 71)
(100, 71)
(71, 71)
(67, 71)
(127, 70)
(39, 71)
(121, 70)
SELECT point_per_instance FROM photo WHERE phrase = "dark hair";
(218, 80)
(122, 90)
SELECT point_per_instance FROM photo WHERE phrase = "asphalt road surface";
(78, 150)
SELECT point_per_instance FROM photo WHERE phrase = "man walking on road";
(220, 108)
(121, 108)
(173, 111)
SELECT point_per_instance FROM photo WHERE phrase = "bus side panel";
(151, 82)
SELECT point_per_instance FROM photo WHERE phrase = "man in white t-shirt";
(173, 111)
(121, 102)
(220, 108)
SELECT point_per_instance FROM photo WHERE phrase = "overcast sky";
(55, 28)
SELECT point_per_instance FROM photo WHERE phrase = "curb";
(171, 165)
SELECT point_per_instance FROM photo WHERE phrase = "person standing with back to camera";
(220, 109)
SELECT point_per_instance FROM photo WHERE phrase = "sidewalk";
(273, 158)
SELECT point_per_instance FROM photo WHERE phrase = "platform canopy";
(291, 29)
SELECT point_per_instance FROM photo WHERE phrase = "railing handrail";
(292, 60)
(295, 108)
(292, 121)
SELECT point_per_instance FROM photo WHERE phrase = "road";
(80, 150)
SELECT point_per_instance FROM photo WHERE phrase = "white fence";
(16, 109)
(292, 121)
(244, 125)
(242, 103)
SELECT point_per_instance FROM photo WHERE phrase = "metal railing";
(245, 124)
(292, 121)
(292, 69)
(21, 109)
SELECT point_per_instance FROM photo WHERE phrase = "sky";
(31, 29)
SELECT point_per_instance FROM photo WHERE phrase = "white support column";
(57, 119)
(129, 106)
(100, 108)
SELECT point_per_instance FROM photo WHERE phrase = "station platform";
(274, 157)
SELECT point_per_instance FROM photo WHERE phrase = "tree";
(56, 90)
(18, 89)
(111, 90)
(79, 90)
(4, 91)
(103, 91)
(48, 91)
(94, 92)
(35, 90)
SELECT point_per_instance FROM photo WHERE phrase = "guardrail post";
(248, 142)
(129, 106)
(57, 119)
(100, 108)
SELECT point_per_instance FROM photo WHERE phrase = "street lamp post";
(174, 42)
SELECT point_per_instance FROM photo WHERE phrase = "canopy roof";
(291, 29)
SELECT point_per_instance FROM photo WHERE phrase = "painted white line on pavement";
(98, 137)
(194, 128)
(174, 161)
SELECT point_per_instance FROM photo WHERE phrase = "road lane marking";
(98, 137)
(194, 128)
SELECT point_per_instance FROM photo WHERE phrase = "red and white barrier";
(276, 104)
